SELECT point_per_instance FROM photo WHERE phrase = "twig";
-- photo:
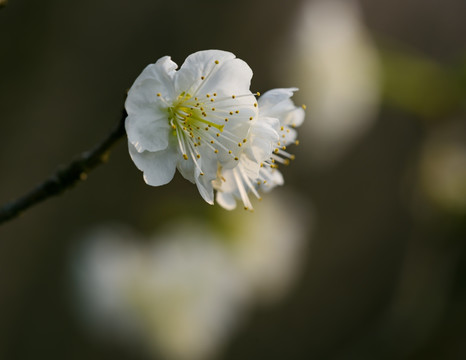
(65, 177)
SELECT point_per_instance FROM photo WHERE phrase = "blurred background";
(361, 255)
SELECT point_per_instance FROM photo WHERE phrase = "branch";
(3, 3)
(65, 177)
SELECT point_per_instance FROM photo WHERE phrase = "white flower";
(194, 119)
(270, 134)
(178, 294)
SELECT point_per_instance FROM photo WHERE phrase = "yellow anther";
(207, 95)
(185, 156)
(282, 128)
(255, 104)
(292, 157)
(251, 118)
(244, 140)
(304, 106)
(276, 151)
(216, 61)
(239, 144)
(229, 151)
(215, 94)
(226, 119)
(202, 77)
(212, 100)
(198, 156)
(159, 94)
(202, 174)
(237, 111)
(218, 134)
(231, 112)
(297, 142)
(283, 147)
(258, 93)
(216, 151)
(236, 158)
(213, 109)
(211, 141)
(233, 96)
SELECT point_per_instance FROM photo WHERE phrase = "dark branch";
(65, 177)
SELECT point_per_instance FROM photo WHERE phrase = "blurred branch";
(65, 177)
(3, 3)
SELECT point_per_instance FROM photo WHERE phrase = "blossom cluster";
(204, 121)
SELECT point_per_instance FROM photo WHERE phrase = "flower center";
(200, 128)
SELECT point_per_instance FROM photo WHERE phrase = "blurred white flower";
(182, 293)
(267, 143)
(190, 119)
(337, 67)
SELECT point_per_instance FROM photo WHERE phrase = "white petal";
(148, 132)
(263, 138)
(230, 76)
(155, 78)
(277, 103)
(204, 182)
(147, 122)
(295, 117)
(206, 189)
(273, 97)
(186, 168)
(158, 167)
(226, 200)
(273, 178)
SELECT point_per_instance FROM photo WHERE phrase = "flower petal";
(213, 71)
(204, 182)
(277, 103)
(158, 167)
(155, 78)
(226, 200)
(147, 123)
(148, 132)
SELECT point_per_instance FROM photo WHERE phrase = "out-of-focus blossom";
(183, 292)
(180, 295)
(338, 71)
